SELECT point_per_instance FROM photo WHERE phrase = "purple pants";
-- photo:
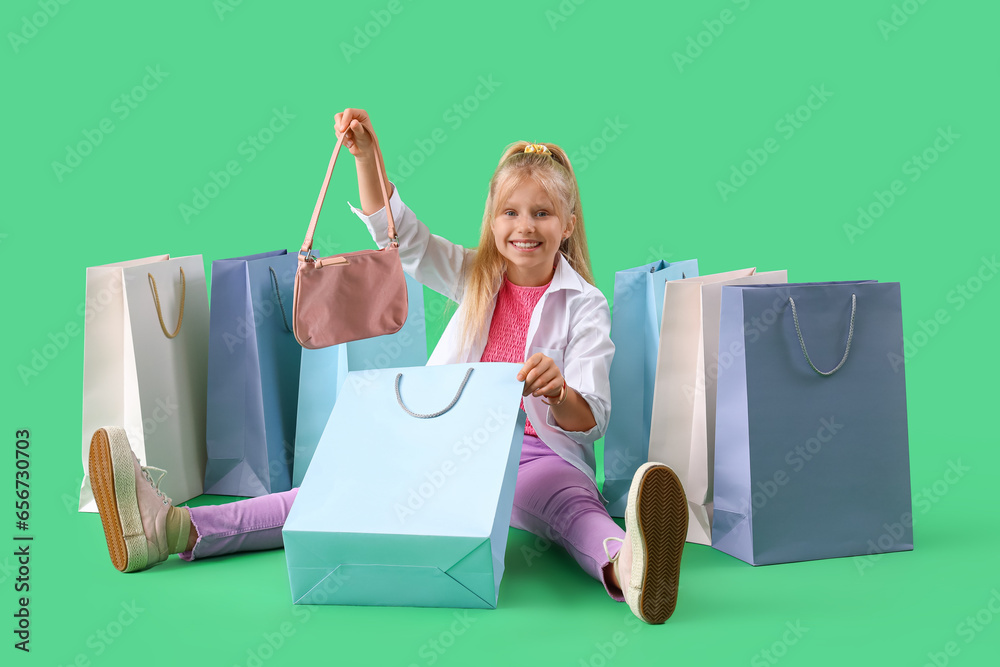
(552, 499)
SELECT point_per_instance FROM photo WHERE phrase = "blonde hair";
(554, 173)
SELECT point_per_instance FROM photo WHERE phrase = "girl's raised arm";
(356, 124)
(432, 260)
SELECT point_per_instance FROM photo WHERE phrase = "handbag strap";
(432, 415)
(850, 336)
(379, 167)
(159, 312)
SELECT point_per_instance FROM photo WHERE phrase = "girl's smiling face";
(528, 232)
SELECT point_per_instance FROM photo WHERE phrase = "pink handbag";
(354, 295)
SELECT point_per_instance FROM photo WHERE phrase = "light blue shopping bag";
(636, 316)
(811, 449)
(407, 501)
(325, 370)
(253, 375)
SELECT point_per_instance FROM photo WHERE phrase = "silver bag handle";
(850, 336)
(432, 415)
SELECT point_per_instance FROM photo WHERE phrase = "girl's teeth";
(526, 245)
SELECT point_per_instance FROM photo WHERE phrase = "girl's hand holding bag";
(354, 295)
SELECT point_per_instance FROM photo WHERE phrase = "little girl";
(526, 295)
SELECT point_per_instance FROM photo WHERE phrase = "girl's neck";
(535, 279)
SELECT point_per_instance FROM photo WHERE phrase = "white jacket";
(571, 324)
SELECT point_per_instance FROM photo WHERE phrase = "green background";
(562, 73)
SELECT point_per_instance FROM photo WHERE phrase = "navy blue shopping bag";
(811, 453)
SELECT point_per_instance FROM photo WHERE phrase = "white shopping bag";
(682, 429)
(145, 363)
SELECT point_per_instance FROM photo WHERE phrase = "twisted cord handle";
(850, 336)
(432, 415)
(159, 312)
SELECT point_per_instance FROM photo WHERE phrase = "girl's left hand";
(541, 376)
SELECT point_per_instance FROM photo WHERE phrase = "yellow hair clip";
(537, 148)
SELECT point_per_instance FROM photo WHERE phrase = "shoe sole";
(112, 478)
(660, 510)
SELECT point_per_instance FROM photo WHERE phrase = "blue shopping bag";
(253, 375)
(811, 450)
(325, 370)
(636, 317)
(407, 501)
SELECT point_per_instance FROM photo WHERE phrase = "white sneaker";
(649, 561)
(133, 509)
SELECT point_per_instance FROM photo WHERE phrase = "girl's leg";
(141, 526)
(557, 501)
(246, 525)
(649, 561)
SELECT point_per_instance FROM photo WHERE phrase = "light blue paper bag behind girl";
(324, 372)
(636, 316)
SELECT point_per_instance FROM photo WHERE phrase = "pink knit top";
(509, 328)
